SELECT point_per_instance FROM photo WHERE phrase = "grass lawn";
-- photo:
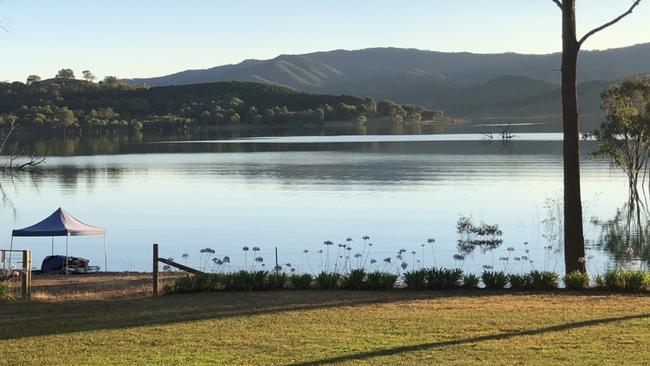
(321, 327)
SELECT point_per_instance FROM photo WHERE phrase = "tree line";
(67, 103)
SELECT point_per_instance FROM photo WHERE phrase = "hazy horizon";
(147, 38)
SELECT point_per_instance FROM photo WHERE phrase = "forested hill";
(460, 83)
(69, 103)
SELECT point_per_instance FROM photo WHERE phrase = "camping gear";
(57, 264)
(61, 223)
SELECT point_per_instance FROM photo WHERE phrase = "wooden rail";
(157, 259)
(180, 266)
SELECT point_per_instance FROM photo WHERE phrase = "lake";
(295, 192)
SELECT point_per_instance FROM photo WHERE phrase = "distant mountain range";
(461, 84)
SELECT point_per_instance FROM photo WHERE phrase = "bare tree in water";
(574, 242)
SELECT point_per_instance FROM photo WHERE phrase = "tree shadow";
(19, 319)
(456, 342)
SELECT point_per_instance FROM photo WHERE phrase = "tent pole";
(11, 248)
(105, 255)
(52, 245)
(66, 254)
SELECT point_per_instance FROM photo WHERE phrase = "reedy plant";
(301, 282)
(416, 279)
(544, 280)
(355, 280)
(381, 281)
(327, 280)
(494, 280)
(576, 280)
(470, 281)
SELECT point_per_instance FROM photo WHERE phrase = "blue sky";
(140, 38)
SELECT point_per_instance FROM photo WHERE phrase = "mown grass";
(323, 327)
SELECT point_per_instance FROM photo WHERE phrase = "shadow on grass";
(21, 319)
(456, 342)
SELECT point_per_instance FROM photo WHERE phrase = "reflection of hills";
(121, 146)
(354, 163)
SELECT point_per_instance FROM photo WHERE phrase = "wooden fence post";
(26, 290)
(155, 269)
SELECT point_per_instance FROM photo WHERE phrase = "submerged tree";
(574, 242)
(624, 136)
(470, 236)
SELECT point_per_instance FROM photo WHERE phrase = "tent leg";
(66, 255)
(52, 245)
(105, 256)
(11, 248)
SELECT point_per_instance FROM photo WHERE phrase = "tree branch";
(558, 3)
(4, 138)
(608, 24)
(32, 162)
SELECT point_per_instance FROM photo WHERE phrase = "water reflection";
(625, 236)
(120, 142)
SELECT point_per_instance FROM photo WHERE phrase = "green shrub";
(380, 281)
(494, 280)
(4, 291)
(599, 282)
(373, 281)
(301, 282)
(416, 279)
(613, 281)
(260, 280)
(245, 281)
(181, 285)
(355, 280)
(635, 281)
(277, 280)
(576, 280)
(241, 281)
(520, 281)
(208, 282)
(388, 281)
(544, 280)
(327, 281)
(230, 282)
(197, 283)
(443, 278)
(470, 281)
(625, 280)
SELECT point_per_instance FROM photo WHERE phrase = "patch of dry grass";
(93, 287)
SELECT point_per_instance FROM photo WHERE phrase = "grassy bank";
(322, 327)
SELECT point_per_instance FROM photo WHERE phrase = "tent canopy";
(60, 223)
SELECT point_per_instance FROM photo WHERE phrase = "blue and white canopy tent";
(61, 223)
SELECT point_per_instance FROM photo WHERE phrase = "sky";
(144, 38)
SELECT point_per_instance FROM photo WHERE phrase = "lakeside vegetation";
(66, 103)
(433, 279)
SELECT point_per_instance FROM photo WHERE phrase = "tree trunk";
(574, 242)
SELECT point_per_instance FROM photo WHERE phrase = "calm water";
(294, 193)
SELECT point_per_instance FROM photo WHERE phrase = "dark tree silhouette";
(574, 242)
